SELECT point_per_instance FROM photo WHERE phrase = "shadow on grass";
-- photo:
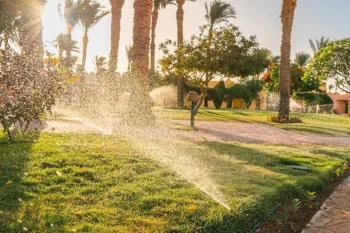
(13, 160)
(263, 177)
(312, 128)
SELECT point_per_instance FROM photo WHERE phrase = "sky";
(313, 19)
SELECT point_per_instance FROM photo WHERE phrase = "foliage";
(100, 63)
(301, 59)
(319, 44)
(299, 80)
(313, 98)
(231, 54)
(26, 92)
(237, 91)
(254, 85)
(218, 12)
(333, 61)
(214, 94)
(91, 13)
(277, 119)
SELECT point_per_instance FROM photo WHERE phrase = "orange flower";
(116, 170)
(78, 212)
(38, 177)
(9, 182)
(192, 208)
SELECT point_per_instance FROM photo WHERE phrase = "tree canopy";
(230, 54)
(333, 61)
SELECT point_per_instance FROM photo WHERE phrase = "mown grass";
(96, 183)
(327, 124)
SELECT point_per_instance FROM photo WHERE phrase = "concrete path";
(334, 215)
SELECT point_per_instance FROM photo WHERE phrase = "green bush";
(313, 98)
(237, 91)
(214, 94)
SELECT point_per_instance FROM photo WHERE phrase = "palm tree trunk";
(155, 14)
(287, 17)
(116, 11)
(141, 112)
(180, 40)
(85, 44)
(68, 50)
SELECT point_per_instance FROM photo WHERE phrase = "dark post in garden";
(192, 97)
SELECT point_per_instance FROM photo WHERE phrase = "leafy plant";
(27, 91)
(276, 119)
(309, 196)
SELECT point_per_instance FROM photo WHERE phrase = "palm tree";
(287, 18)
(72, 13)
(157, 4)
(301, 59)
(91, 14)
(128, 51)
(180, 41)
(100, 64)
(116, 10)
(141, 111)
(219, 12)
(319, 44)
(64, 43)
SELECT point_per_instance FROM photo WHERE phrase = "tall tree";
(116, 11)
(157, 5)
(180, 40)
(301, 59)
(141, 112)
(72, 13)
(219, 12)
(91, 14)
(287, 18)
(318, 44)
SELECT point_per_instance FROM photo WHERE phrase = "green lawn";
(95, 183)
(334, 125)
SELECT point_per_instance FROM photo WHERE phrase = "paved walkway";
(334, 215)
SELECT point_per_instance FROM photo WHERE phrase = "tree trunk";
(141, 112)
(180, 40)
(116, 11)
(9, 135)
(153, 37)
(85, 44)
(287, 17)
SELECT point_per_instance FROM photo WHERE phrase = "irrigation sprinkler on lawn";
(192, 97)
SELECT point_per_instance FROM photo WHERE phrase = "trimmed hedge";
(214, 94)
(313, 98)
(237, 91)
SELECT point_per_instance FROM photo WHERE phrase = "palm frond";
(219, 12)
(323, 42)
(92, 12)
(301, 59)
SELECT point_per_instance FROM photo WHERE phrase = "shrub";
(276, 119)
(313, 98)
(335, 111)
(28, 90)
